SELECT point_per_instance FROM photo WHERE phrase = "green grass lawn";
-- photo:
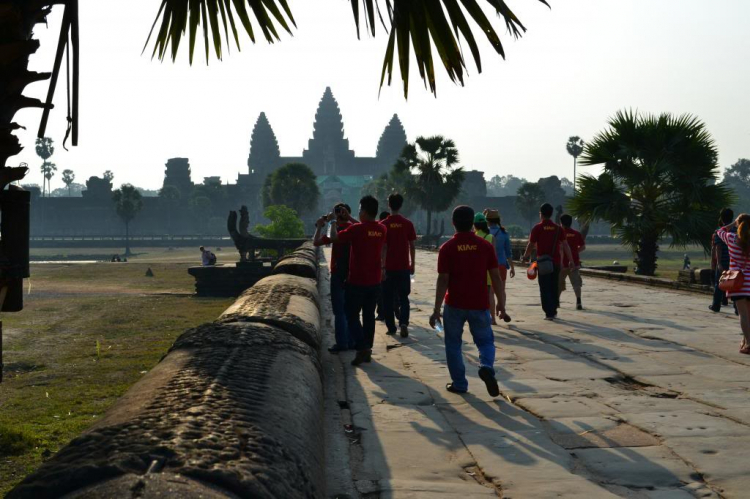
(86, 334)
(669, 262)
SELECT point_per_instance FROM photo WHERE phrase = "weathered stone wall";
(233, 410)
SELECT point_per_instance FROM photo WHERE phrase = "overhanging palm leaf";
(418, 25)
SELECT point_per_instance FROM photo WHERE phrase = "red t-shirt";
(336, 248)
(400, 233)
(365, 261)
(575, 241)
(543, 235)
(466, 258)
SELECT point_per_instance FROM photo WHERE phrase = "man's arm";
(334, 235)
(568, 254)
(383, 256)
(441, 286)
(413, 255)
(319, 224)
(527, 253)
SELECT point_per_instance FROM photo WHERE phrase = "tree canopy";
(442, 25)
(284, 223)
(293, 185)
(530, 197)
(737, 178)
(659, 181)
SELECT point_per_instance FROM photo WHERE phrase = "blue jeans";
(396, 290)
(343, 339)
(361, 299)
(480, 325)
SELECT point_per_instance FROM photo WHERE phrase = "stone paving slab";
(642, 395)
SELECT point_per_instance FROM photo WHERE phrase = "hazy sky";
(577, 64)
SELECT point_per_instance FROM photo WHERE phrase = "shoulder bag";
(731, 281)
(545, 263)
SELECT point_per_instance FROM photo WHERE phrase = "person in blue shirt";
(504, 253)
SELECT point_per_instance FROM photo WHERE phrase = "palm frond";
(418, 26)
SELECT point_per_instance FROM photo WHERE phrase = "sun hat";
(492, 215)
(479, 218)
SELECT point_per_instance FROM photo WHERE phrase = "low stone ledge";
(234, 409)
(285, 301)
(302, 262)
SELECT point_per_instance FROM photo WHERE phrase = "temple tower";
(178, 175)
(328, 151)
(264, 155)
(391, 143)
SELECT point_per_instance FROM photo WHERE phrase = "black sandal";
(449, 387)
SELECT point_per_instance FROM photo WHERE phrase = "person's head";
(743, 232)
(395, 201)
(492, 216)
(383, 215)
(341, 211)
(368, 209)
(463, 218)
(726, 216)
(480, 223)
(566, 221)
(546, 211)
(202, 249)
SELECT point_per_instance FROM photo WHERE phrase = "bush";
(516, 231)
(284, 223)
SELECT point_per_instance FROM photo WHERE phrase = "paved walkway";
(643, 394)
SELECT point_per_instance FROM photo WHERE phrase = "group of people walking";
(375, 259)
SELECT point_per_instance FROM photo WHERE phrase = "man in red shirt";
(339, 274)
(400, 256)
(549, 240)
(463, 263)
(366, 267)
(576, 245)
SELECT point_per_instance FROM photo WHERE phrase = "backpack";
(212, 259)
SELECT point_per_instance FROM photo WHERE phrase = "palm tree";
(434, 181)
(293, 185)
(529, 198)
(659, 181)
(44, 149)
(48, 171)
(68, 177)
(108, 176)
(128, 203)
(575, 148)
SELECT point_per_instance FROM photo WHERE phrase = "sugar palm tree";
(529, 199)
(659, 181)
(433, 178)
(128, 204)
(48, 170)
(575, 148)
(44, 149)
(425, 24)
(68, 177)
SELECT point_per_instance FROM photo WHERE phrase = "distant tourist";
(463, 263)
(207, 257)
(366, 268)
(739, 259)
(380, 315)
(482, 230)
(548, 238)
(504, 256)
(720, 259)
(116, 258)
(339, 274)
(400, 258)
(686, 262)
(573, 273)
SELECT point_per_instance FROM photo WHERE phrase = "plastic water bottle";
(438, 326)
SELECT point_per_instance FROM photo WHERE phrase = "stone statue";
(242, 238)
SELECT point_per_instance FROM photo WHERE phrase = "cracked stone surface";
(641, 395)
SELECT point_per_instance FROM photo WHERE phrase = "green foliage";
(506, 185)
(170, 195)
(15, 441)
(575, 146)
(385, 185)
(432, 180)
(529, 198)
(108, 176)
(44, 147)
(48, 170)
(68, 177)
(284, 223)
(292, 185)
(128, 202)
(659, 181)
(737, 178)
(421, 23)
(515, 231)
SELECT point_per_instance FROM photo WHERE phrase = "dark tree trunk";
(17, 21)
(429, 223)
(127, 239)
(645, 255)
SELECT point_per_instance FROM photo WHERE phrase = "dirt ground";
(88, 331)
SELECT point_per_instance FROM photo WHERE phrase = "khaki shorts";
(575, 279)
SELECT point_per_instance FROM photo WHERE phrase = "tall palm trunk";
(645, 254)
(127, 238)
(429, 223)
(17, 21)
